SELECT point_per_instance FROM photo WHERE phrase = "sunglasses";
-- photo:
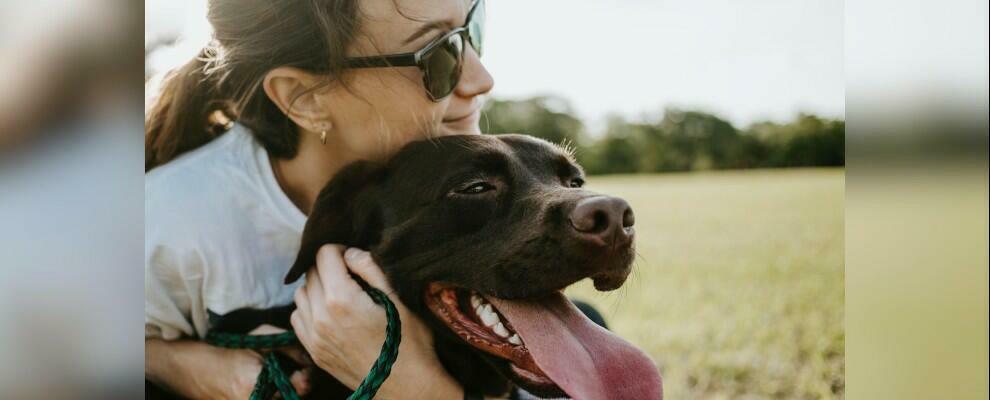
(441, 60)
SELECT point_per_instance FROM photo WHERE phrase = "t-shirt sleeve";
(174, 264)
(172, 284)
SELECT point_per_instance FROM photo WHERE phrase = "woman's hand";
(343, 329)
(197, 370)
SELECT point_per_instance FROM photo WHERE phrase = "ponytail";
(224, 82)
(179, 120)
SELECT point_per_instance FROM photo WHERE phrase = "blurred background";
(776, 246)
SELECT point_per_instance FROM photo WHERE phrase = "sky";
(745, 61)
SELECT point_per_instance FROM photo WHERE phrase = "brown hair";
(224, 81)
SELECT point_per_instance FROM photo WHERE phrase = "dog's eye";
(476, 188)
(576, 183)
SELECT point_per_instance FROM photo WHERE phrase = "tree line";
(679, 140)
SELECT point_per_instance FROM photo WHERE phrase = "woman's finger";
(303, 305)
(337, 284)
(301, 325)
(313, 289)
(361, 263)
(300, 380)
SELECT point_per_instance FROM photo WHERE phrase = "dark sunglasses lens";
(443, 66)
(476, 26)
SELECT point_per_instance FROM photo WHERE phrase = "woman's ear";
(298, 94)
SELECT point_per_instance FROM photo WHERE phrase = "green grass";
(737, 292)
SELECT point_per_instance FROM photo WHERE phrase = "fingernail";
(353, 254)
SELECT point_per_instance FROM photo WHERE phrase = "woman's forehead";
(396, 26)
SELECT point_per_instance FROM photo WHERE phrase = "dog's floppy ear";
(345, 212)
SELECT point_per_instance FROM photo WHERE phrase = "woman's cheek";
(400, 134)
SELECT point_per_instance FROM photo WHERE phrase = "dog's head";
(479, 235)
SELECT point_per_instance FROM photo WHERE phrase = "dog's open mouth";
(480, 324)
(552, 348)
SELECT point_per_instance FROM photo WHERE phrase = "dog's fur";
(513, 241)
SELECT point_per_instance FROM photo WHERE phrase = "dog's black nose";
(603, 220)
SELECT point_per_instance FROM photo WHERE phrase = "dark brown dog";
(479, 234)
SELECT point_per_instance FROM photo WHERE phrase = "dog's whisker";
(640, 256)
(488, 122)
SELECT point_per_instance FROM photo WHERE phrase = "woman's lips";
(464, 118)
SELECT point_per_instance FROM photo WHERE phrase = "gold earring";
(324, 127)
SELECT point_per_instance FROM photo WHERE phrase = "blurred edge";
(71, 199)
(916, 200)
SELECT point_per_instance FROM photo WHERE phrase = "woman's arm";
(343, 329)
(196, 370)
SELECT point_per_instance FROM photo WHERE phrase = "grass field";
(738, 290)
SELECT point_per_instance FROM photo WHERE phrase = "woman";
(309, 92)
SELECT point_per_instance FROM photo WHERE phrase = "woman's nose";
(475, 79)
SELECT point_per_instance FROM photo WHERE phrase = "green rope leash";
(272, 378)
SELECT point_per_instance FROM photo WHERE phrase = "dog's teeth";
(514, 339)
(475, 300)
(500, 330)
(488, 317)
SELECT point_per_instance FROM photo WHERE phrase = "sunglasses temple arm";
(398, 60)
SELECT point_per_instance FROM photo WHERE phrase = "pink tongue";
(582, 358)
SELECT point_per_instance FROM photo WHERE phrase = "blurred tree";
(618, 152)
(550, 118)
(678, 140)
(808, 141)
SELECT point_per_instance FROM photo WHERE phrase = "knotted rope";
(272, 378)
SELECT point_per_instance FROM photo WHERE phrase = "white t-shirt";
(219, 235)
